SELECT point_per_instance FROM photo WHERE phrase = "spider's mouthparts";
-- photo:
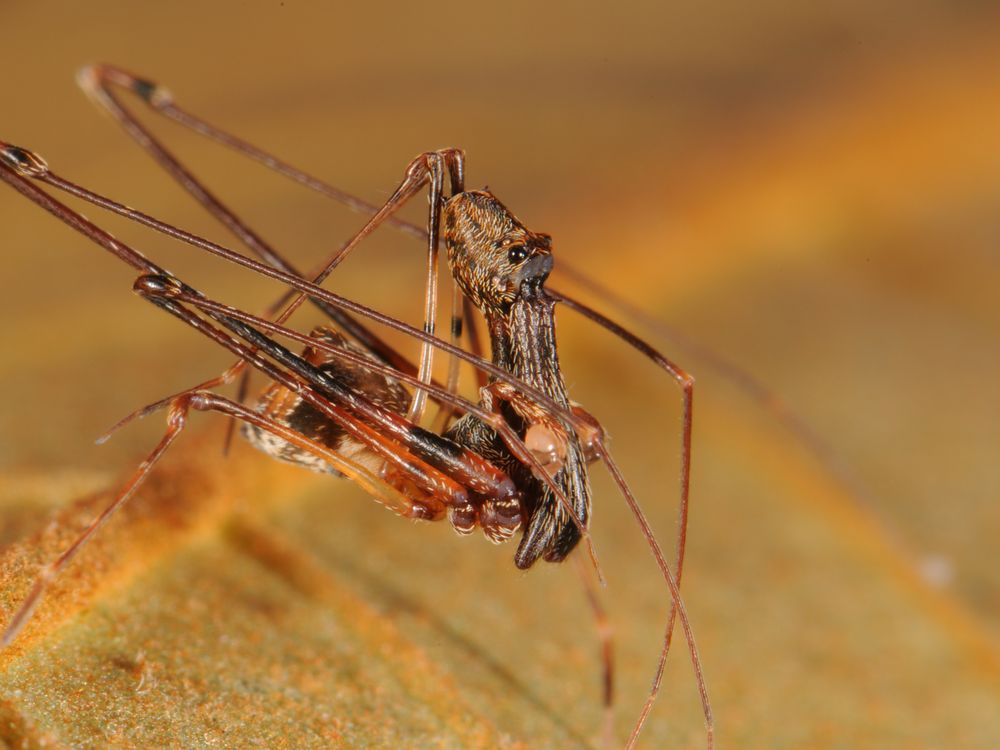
(535, 270)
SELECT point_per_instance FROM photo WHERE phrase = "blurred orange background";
(808, 190)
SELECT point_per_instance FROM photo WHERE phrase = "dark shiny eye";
(516, 254)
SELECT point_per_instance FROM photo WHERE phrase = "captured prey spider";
(351, 404)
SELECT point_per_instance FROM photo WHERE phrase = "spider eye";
(516, 254)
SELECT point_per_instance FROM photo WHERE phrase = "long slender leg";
(426, 168)
(677, 610)
(454, 159)
(469, 313)
(605, 636)
(435, 185)
(463, 320)
(686, 383)
(176, 421)
(93, 79)
(752, 386)
(445, 411)
(96, 81)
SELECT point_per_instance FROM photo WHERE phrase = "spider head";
(493, 256)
